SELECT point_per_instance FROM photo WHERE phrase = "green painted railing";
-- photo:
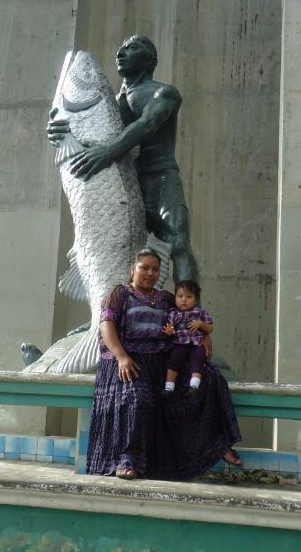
(266, 400)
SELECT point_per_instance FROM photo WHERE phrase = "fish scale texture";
(107, 210)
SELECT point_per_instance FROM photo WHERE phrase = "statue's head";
(136, 54)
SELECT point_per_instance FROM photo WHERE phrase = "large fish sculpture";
(107, 211)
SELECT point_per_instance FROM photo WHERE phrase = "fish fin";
(71, 283)
(67, 148)
(83, 357)
(163, 249)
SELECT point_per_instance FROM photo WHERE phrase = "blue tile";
(84, 416)
(60, 459)
(80, 466)
(251, 460)
(44, 458)
(45, 446)
(288, 463)
(31, 457)
(12, 456)
(29, 445)
(12, 444)
(83, 442)
(219, 467)
(61, 447)
(72, 448)
(270, 461)
(2, 443)
(299, 463)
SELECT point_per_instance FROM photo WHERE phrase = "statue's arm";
(165, 101)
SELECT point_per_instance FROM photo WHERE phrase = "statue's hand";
(56, 130)
(91, 161)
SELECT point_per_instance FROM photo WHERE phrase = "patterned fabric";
(139, 319)
(179, 319)
(132, 426)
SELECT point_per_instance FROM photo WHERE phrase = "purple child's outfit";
(187, 349)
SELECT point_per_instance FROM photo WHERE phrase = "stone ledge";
(57, 487)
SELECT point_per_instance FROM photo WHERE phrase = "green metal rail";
(250, 399)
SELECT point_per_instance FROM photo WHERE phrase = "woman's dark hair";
(146, 252)
(191, 286)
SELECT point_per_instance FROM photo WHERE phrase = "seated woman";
(134, 433)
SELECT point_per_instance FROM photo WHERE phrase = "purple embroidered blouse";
(139, 319)
(179, 319)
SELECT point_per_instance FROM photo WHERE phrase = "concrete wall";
(34, 37)
(225, 59)
(289, 274)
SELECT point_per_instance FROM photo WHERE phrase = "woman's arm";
(127, 368)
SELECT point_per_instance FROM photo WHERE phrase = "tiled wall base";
(280, 462)
(83, 424)
(58, 450)
(62, 450)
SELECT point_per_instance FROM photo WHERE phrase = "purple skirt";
(176, 438)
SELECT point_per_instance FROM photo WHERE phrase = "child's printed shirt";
(179, 319)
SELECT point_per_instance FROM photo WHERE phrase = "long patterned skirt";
(179, 437)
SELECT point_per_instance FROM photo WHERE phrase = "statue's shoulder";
(168, 91)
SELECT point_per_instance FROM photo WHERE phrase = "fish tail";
(83, 357)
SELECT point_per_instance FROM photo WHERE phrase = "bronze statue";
(149, 110)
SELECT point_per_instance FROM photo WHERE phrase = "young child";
(187, 323)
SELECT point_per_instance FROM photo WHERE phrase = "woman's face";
(145, 273)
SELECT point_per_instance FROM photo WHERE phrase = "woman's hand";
(169, 329)
(127, 369)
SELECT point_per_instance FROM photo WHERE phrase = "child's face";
(185, 300)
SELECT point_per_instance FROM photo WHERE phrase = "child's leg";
(175, 361)
(171, 378)
(196, 359)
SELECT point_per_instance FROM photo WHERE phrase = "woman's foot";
(231, 457)
(127, 473)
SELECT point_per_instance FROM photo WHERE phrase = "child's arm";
(204, 327)
(202, 322)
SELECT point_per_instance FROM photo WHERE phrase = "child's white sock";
(195, 382)
(170, 386)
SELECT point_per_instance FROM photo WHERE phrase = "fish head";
(85, 83)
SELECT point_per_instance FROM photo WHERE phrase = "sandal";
(232, 457)
(127, 473)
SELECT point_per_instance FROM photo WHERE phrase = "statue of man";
(149, 110)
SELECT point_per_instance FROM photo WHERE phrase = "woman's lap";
(177, 438)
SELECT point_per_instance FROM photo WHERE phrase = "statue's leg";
(167, 218)
(176, 232)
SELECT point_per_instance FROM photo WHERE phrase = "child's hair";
(191, 286)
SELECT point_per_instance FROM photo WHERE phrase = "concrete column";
(34, 37)
(225, 59)
(289, 226)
